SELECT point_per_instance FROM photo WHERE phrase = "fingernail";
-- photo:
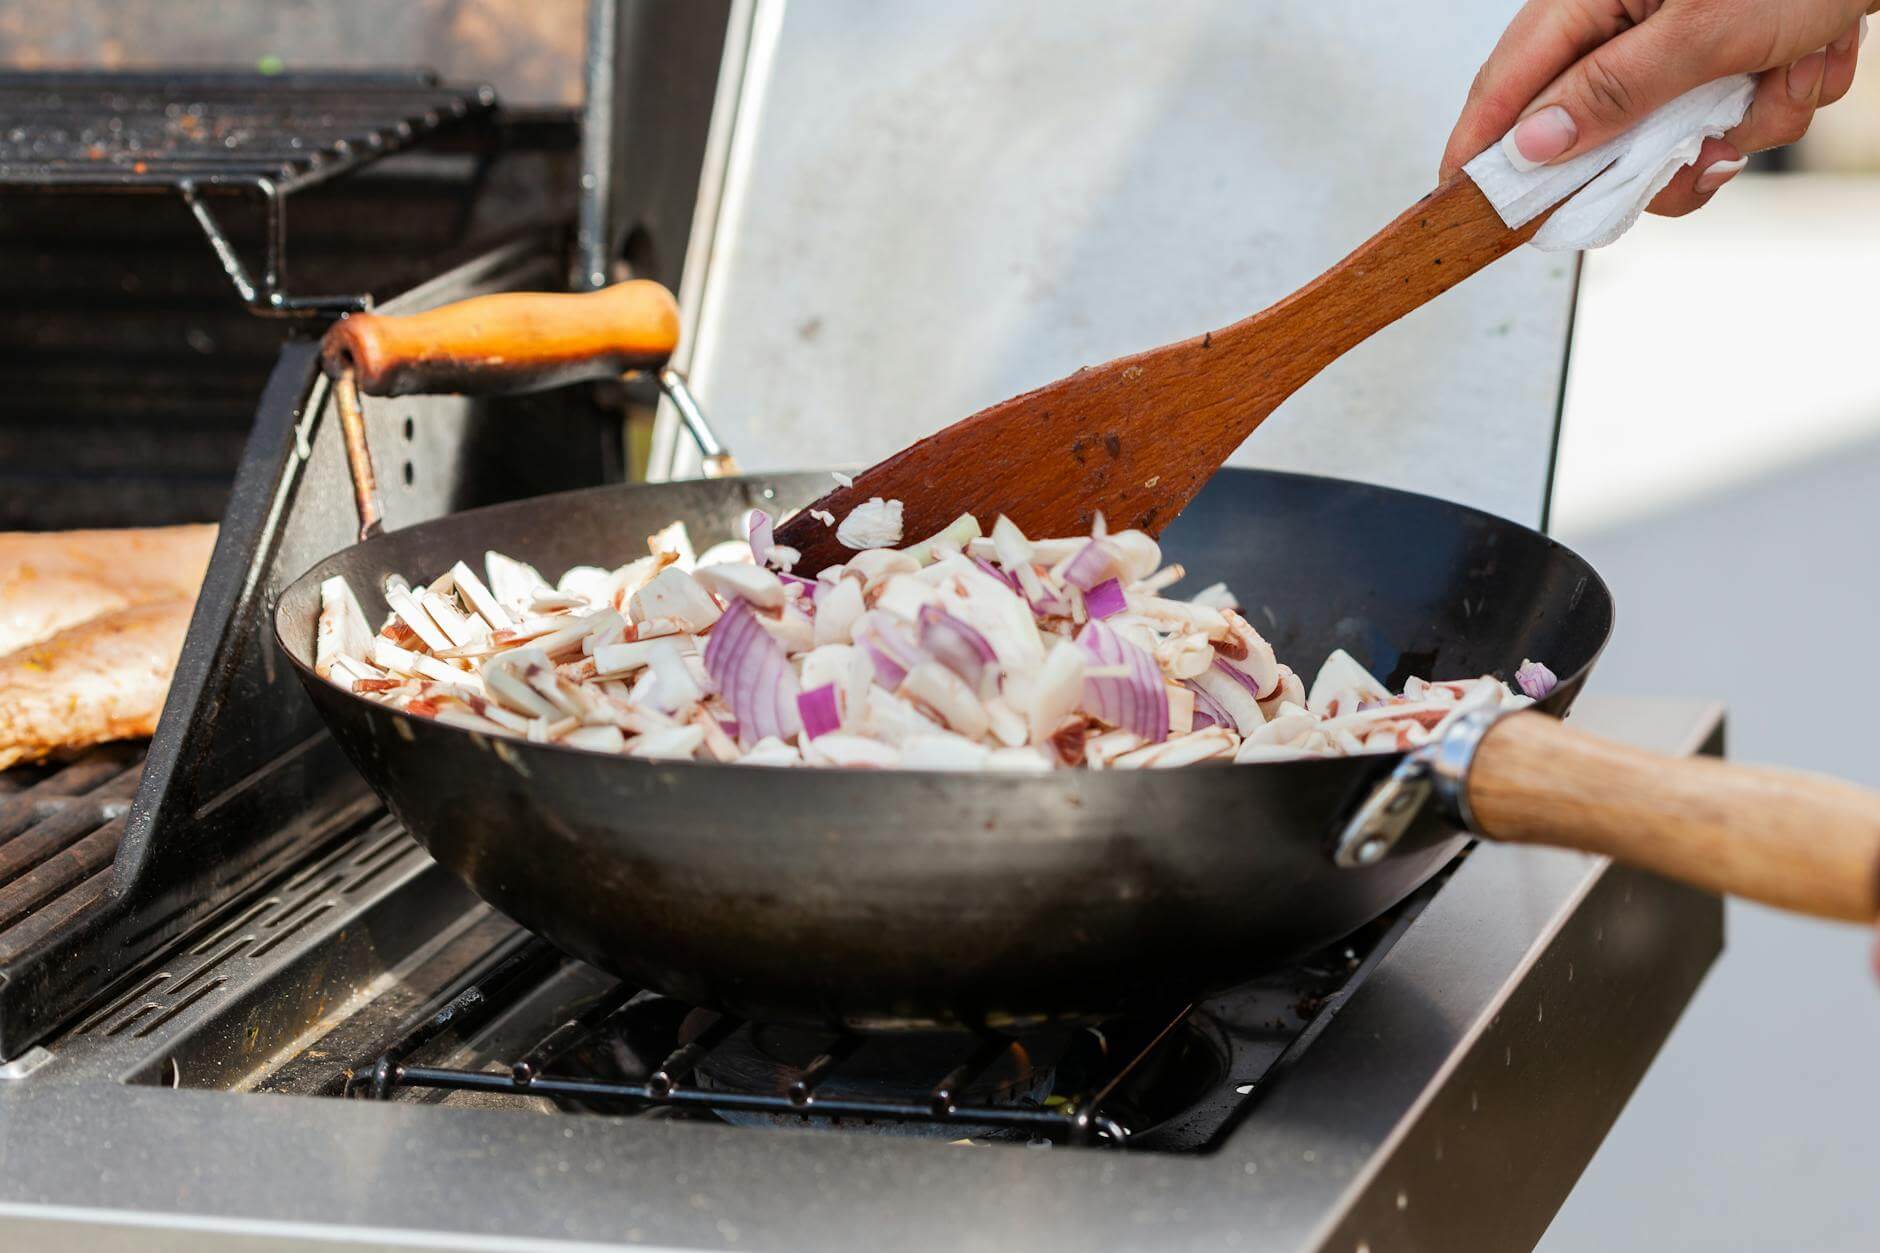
(1863, 28)
(1540, 138)
(1717, 173)
(1805, 75)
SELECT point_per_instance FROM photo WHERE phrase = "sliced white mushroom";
(760, 587)
(1231, 696)
(513, 583)
(1181, 750)
(412, 614)
(838, 609)
(590, 583)
(903, 595)
(773, 752)
(676, 744)
(879, 564)
(1342, 673)
(1181, 708)
(946, 694)
(841, 749)
(1008, 726)
(596, 739)
(342, 630)
(1291, 692)
(676, 540)
(675, 691)
(1059, 686)
(1182, 615)
(1137, 554)
(462, 629)
(1184, 654)
(726, 553)
(1215, 596)
(673, 593)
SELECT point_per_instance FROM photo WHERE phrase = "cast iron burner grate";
(200, 133)
(1165, 1081)
(987, 1085)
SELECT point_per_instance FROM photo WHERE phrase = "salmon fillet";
(97, 681)
(56, 579)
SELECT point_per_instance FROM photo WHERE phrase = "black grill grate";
(202, 134)
(59, 830)
(1078, 1119)
(160, 130)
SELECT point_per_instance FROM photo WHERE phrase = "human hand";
(1575, 73)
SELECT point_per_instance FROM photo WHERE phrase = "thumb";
(1612, 88)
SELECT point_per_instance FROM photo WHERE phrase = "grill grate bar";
(59, 829)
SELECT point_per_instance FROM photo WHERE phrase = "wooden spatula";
(1136, 438)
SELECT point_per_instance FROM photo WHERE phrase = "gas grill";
(228, 963)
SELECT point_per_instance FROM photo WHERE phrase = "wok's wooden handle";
(509, 342)
(1798, 841)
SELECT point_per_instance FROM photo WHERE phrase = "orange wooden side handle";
(1794, 840)
(509, 342)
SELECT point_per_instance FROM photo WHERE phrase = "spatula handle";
(1430, 247)
(509, 342)
(1794, 840)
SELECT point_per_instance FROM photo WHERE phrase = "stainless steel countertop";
(1451, 1103)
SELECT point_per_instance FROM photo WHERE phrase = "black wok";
(878, 899)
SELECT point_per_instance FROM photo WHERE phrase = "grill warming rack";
(203, 135)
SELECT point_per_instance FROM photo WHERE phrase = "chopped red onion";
(819, 711)
(1208, 711)
(1535, 679)
(1094, 562)
(808, 585)
(1105, 600)
(888, 646)
(1244, 679)
(1137, 702)
(755, 676)
(759, 530)
(960, 648)
(1002, 576)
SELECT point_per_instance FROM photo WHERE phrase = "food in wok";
(967, 651)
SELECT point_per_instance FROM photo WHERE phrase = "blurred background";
(1718, 462)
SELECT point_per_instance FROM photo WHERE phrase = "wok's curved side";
(899, 899)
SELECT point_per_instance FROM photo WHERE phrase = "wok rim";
(1554, 704)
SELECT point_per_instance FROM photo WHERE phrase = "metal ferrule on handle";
(1438, 770)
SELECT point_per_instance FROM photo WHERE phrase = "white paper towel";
(1630, 170)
